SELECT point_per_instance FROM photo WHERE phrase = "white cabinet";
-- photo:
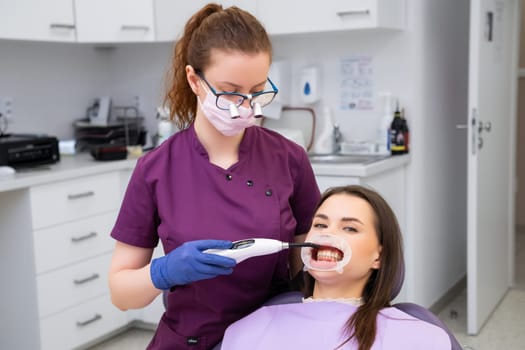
(102, 21)
(171, 16)
(72, 248)
(81, 324)
(33, 20)
(296, 16)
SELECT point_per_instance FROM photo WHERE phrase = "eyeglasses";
(226, 99)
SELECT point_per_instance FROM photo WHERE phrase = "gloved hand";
(188, 263)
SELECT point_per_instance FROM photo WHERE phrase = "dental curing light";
(248, 248)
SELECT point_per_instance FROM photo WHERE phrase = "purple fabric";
(319, 325)
(425, 315)
(177, 195)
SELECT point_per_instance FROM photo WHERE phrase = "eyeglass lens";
(224, 101)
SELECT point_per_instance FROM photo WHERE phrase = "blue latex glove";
(188, 263)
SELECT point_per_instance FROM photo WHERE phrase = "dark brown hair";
(212, 27)
(384, 283)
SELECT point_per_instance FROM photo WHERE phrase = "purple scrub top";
(319, 325)
(177, 195)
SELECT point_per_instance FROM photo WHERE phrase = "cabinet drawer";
(73, 242)
(74, 199)
(79, 325)
(333, 15)
(67, 287)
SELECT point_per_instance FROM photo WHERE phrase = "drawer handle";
(84, 237)
(353, 12)
(128, 27)
(80, 195)
(87, 279)
(96, 317)
(61, 26)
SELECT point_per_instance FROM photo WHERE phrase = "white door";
(492, 64)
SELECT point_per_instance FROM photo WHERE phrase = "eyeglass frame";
(248, 97)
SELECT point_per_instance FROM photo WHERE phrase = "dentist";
(220, 179)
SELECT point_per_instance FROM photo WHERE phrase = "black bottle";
(406, 131)
(398, 130)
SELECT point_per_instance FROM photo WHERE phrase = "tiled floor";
(505, 330)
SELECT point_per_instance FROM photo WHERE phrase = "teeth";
(331, 254)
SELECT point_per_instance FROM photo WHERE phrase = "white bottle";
(383, 137)
(324, 141)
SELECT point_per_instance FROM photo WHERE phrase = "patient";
(349, 284)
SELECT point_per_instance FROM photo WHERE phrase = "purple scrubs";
(319, 325)
(177, 195)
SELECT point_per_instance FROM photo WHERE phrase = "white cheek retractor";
(328, 257)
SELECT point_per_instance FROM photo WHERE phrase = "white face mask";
(228, 123)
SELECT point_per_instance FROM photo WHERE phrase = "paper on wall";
(357, 84)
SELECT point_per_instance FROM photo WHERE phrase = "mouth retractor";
(333, 255)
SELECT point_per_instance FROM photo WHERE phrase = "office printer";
(18, 150)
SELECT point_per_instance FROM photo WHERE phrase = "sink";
(345, 158)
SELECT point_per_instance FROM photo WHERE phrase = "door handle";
(95, 317)
(461, 126)
(487, 126)
(86, 279)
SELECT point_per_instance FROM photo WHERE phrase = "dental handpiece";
(248, 248)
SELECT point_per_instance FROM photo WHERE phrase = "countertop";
(71, 167)
(360, 170)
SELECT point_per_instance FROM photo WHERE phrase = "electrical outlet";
(6, 107)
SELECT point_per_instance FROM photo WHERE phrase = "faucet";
(337, 138)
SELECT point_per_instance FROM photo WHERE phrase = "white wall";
(51, 84)
(389, 51)
(438, 173)
(424, 65)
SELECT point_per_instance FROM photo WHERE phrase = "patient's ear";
(377, 262)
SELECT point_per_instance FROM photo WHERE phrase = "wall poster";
(357, 84)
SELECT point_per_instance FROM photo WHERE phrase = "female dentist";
(220, 179)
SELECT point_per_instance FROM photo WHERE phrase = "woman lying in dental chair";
(349, 284)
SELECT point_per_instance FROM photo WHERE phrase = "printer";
(26, 150)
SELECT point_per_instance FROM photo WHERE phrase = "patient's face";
(352, 219)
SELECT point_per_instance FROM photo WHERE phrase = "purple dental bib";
(319, 325)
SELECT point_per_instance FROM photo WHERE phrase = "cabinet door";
(30, 20)
(325, 182)
(102, 21)
(171, 16)
(296, 16)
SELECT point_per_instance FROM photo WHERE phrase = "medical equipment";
(257, 110)
(335, 253)
(248, 248)
(186, 264)
(234, 111)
